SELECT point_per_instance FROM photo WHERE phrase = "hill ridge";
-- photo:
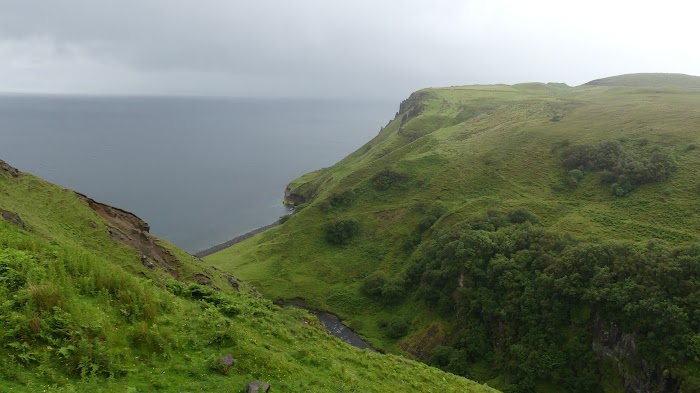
(648, 80)
(452, 232)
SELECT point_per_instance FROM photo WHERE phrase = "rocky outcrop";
(13, 218)
(127, 228)
(638, 376)
(290, 198)
(7, 168)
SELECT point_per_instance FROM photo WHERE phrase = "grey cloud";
(322, 48)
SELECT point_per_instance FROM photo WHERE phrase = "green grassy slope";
(81, 311)
(452, 154)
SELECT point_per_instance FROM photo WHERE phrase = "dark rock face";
(13, 218)
(293, 199)
(258, 387)
(638, 376)
(7, 168)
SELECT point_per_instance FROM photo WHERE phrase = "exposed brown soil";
(127, 228)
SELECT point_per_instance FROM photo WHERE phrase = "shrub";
(440, 355)
(389, 290)
(387, 179)
(431, 216)
(343, 198)
(574, 176)
(397, 327)
(619, 169)
(372, 285)
(559, 187)
(521, 216)
(394, 289)
(342, 231)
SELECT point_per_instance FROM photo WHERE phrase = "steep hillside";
(536, 237)
(91, 302)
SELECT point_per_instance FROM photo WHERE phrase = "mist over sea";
(200, 171)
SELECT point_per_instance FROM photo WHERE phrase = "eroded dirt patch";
(129, 229)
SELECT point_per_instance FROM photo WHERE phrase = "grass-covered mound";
(606, 167)
(90, 304)
(649, 80)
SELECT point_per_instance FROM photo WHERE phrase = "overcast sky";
(326, 48)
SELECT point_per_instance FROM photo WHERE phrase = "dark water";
(336, 328)
(199, 170)
(333, 325)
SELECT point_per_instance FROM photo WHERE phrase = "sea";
(199, 170)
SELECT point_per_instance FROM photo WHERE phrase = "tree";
(342, 231)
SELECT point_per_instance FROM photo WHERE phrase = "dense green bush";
(387, 179)
(450, 359)
(574, 177)
(342, 231)
(524, 300)
(372, 285)
(396, 327)
(386, 289)
(619, 169)
(338, 199)
(343, 198)
(430, 217)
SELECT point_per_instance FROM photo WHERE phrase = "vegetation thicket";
(538, 237)
(84, 310)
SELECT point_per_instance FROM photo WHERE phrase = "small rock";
(234, 283)
(258, 387)
(92, 224)
(147, 262)
(227, 360)
(226, 363)
(13, 218)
